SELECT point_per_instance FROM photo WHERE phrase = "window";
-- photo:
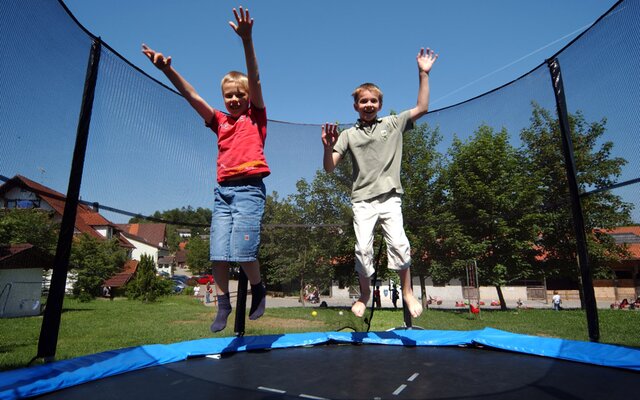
(23, 203)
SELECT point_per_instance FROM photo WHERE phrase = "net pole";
(241, 304)
(576, 207)
(50, 327)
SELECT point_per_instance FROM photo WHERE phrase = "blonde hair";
(238, 77)
(367, 86)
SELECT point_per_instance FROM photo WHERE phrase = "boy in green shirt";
(375, 145)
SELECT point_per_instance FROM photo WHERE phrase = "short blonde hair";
(238, 77)
(367, 86)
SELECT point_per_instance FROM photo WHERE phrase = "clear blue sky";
(313, 53)
(311, 56)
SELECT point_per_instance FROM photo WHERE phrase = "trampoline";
(399, 364)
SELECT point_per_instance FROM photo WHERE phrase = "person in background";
(556, 301)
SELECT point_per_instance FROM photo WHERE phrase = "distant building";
(119, 280)
(21, 267)
(22, 193)
(184, 232)
(149, 239)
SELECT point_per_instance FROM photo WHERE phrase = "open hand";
(329, 134)
(426, 59)
(244, 23)
(158, 59)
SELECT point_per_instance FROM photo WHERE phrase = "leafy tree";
(94, 261)
(146, 285)
(173, 238)
(595, 167)
(305, 236)
(29, 226)
(421, 166)
(494, 199)
(198, 258)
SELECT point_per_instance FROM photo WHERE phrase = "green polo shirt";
(376, 152)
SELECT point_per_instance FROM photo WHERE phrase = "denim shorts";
(238, 207)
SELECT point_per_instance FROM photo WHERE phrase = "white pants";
(388, 210)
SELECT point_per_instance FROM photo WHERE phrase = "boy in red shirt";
(240, 194)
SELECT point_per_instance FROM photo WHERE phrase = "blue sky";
(312, 54)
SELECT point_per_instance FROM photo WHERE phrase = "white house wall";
(17, 193)
(20, 291)
(144, 248)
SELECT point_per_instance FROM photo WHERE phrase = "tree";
(94, 261)
(495, 203)
(421, 167)
(305, 237)
(29, 226)
(198, 258)
(146, 285)
(595, 167)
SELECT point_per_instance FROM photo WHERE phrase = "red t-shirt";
(241, 144)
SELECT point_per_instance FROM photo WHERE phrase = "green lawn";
(101, 325)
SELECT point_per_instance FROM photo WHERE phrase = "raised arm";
(188, 92)
(425, 61)
(329, 137)
(243, 28)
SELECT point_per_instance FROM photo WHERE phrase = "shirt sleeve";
(342, 144)
(259, 115)
(403, 121)
(214, 123)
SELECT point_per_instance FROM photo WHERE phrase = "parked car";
(204, 279)
(181, 278)
(178, 286)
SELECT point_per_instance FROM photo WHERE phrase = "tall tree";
(94, 261)
(421, 167)
(146, 285)
(494, 199)
(198, 258)
(596, 167)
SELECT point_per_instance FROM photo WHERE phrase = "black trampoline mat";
(365, 372)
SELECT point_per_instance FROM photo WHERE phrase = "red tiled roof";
(633, 248)
(121, 278)
(86, 217)
(181, 256)
(626, 229)
(152, 233)
(21, 256)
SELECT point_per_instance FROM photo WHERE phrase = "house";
(184, 233)
(626, 284)
(21, 268)
(21, 192)
(119, 280)
(149, 239)
(167, 263)
(181, 259)
(137, 239)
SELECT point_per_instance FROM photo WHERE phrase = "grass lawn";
(101, 325)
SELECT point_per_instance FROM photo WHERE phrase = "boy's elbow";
(418, 112)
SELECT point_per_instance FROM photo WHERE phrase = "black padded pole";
(241, 304)
(408, 323)
(51, 320)
(576, 207)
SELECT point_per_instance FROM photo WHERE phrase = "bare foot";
(359, 307)
(414, 306)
